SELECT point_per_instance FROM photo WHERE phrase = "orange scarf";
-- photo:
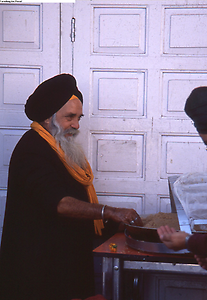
(85, 177)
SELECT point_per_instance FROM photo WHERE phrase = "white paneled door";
(136, 63)
(29, 54)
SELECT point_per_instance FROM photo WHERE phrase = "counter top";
(125, 252)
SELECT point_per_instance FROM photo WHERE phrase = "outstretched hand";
(171, 238)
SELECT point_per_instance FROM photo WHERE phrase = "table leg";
(107, 276)
(116, 279)
(111, 278)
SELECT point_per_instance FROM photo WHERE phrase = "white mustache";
(72, 131)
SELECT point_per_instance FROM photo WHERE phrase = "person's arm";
(177, 240)
(195, 243)
(173, 239)
(73, 208)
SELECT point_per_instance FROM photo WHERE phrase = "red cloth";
(97, 297)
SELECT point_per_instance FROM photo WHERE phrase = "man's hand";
(123, 215)
(202, 261)
(172, 239)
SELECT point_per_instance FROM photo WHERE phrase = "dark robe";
(197, 244)
(43, 256)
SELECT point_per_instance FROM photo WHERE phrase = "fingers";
(165, 230)
(203, 264)
(131, 217)
(165, 235)
(161, 231)
(202, 261)
(139, 221)
(200, 257)
(135, 219)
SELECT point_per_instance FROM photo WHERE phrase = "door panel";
(136, 67)
(29, 54)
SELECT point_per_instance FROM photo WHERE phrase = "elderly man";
(52, 209)
(196, 109)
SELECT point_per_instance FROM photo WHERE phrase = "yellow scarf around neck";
(85, 177)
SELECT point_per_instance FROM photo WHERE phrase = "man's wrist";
(103, 214)
(186, 241)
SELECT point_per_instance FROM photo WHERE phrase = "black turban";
(50, 96)
(196, 108)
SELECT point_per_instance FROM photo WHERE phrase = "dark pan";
(143, 233)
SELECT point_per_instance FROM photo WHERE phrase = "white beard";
(74, 153)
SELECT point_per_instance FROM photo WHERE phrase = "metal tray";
(150, 247)
(147, 239)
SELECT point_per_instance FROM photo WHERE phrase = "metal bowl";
(143, 233)
(150, 247)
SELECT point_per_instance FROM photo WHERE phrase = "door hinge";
(72, 30)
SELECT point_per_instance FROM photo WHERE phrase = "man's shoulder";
(31, 141)
(32, 150)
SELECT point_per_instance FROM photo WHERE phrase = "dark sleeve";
(197, 244)
(38, 177)
(45, 183)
